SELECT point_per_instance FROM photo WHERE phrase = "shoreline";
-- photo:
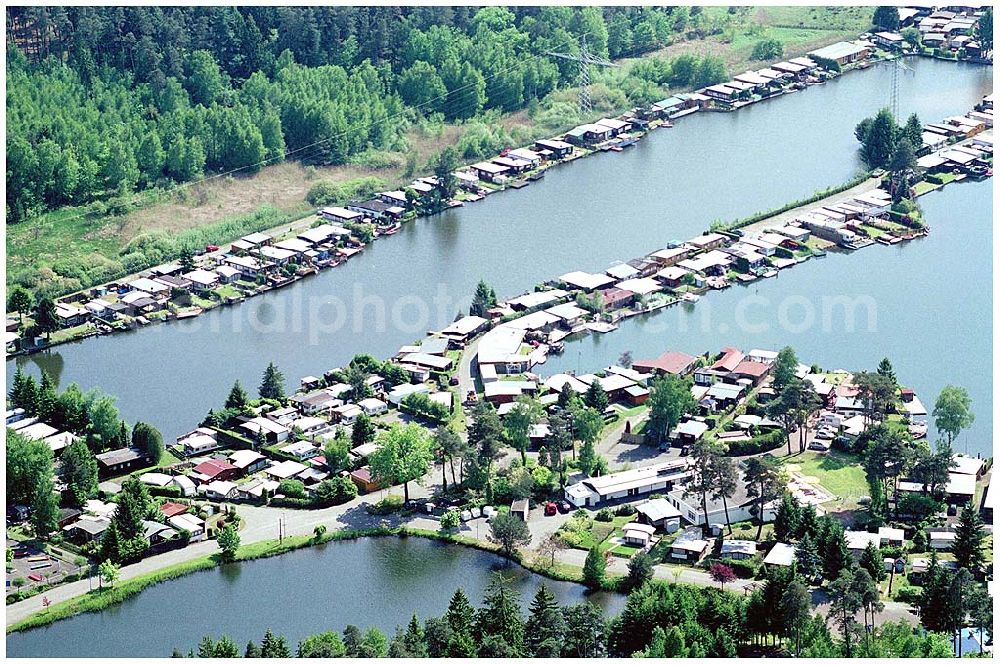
(291, 225)
(99, 600)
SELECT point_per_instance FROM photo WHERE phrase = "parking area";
(32, 567)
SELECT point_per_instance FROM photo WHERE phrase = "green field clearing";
(839, 473)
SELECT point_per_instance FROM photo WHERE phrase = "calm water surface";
(369, 582)
(926, 305)
(584, 216)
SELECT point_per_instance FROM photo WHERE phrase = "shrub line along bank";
(291, 219)
(98, 600)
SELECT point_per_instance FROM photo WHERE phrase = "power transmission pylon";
(896, 64)
(584, 60)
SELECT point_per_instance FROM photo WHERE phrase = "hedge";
(759, 444)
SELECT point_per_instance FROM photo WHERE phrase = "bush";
(293, 489)
(390, 504)
(767, 49)
(908, 594)
(377, 160)
(421, 404)
(745, 568)
(451, 519)
(604, 515)
(758, 444)
(326, 192)
(625, 510)
(169, 491)
(919, 506)
(335, 491)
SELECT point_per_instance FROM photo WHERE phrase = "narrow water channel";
(584, 216)
(377, 582)
(926, 305)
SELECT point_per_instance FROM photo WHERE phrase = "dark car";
(685, 451)
(453, 381)
(550, 509)
(564, 507)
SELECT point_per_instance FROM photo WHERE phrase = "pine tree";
(78, 469)
(274, 646)
(786, 520)
(45, 508)
(871, 560)
(47, 399)
(272, 386)
(833, 549)
(885, 367)
(414, 639)
(461, 618)
(596, 397)
(45, 316)
(969, 540)
(237, 397)
(111, 548)
(594, 568)
(545, 626)
(23, 392)
(482, 300)
(500, 617)
(807, 558)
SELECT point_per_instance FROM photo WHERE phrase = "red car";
(211, 248)
(550, 509)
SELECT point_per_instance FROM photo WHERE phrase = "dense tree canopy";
(110, 100)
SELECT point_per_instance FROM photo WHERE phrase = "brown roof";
(169, 509)
(671, 362)
(751, 368)
(730, 359)
(213, 467)
(364, 474)
(614, 294)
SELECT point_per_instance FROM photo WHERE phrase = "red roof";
(169, 509)
(671, 362)
(751, 368)
(615, 295)
(730, 359)
(363, 474)
(213, 468)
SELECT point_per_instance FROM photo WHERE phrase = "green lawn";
(585, 532)
(856, 19)
(228, 291)
(839, 473)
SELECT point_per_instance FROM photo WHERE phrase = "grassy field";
(839, 473)
(856, 19)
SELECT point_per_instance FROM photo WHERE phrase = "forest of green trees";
(660, 620)
(104, 101)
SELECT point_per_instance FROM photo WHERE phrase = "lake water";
(368, 582)
(584, 216)
(926, 305)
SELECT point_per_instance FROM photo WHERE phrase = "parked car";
(685, 451)
(453, 381)
(564, 507)
(211, 248)
(550, 509)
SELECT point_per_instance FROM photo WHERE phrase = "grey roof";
(435, 346)
(658, 509)
(120, 456)
(739, 547)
